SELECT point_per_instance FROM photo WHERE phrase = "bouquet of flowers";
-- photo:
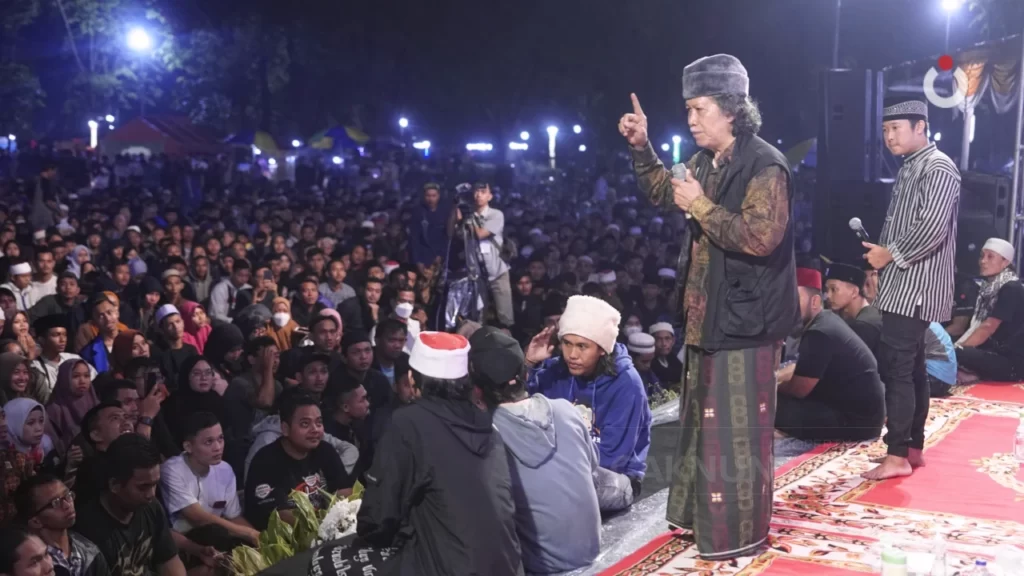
(340, 521)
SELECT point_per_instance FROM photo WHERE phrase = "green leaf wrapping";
(307, 521)
(248, 561)
(357, 491)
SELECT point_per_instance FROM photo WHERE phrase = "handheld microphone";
(679, 173)
(858, 228)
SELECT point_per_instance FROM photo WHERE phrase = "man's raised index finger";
(636, 105)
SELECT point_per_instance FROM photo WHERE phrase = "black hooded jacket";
(439, 491)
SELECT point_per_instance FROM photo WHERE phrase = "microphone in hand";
(858, 228)
(679, 173)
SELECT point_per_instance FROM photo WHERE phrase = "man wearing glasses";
(47, 508)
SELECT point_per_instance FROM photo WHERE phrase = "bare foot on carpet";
(915, 457)
(891, 467)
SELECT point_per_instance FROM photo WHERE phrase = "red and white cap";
(440, 355)
(390, 266)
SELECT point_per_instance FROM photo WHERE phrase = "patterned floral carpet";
(829, 521)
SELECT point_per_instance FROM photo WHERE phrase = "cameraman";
(489, 226)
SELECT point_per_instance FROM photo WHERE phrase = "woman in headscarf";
(79, 256)
(73, 396)
(26, 429)
(14, 468)
(127, 345)
(16, 378)
(224, 350)
(282, 325)
(199, 390)
(197, 323)
(147, 300)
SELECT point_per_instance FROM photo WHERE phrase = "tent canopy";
(172, 135)
(347, 137)
(258, 138)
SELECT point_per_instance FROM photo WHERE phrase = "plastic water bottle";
(938, 556)
(1018, 441)
(980, 568)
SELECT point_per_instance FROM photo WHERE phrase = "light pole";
(552, 133)
(403, 123)
(835, 40)
(140, 42)
(950, 6)
(94, 139)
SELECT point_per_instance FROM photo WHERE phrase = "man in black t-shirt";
(844, 287)
(298, 460)
(833, 391)
(993, 346)
(127, 522)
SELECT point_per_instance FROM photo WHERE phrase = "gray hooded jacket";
(553, 463)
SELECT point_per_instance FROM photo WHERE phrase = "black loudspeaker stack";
(984, 213)
(849, 163)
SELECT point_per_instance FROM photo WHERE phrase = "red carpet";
(993, 392)
(828, 521)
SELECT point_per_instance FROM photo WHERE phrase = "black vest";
(752, 300)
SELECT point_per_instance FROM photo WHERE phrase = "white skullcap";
(368, 224)
(440, 355)
(613, 227)
(606, 277)
(1001, 247)
(586, 259)
(63, 207)
(39, 234)
(636, 231)
(170, 272)
(21, 269)
(667, 273)
(641, 343)
(165, 311)
(591, 318)
(661, 327)
(134, 229)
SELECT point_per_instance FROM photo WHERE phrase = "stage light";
(675, 148)
(290, 159)
(524, 135)
(779, 141)
(94, 138)
(296, 143)
(109, 118)
(937, 137)
(403, 123)
(424, 145)
(677, 139)
(336, 159)
(583, 147)
(272, 162)
(577, 129)
(970, 138)
(110, 126)
(479, 147)
(518, 146)
(256, 151)
(12, 137)
(665, 147)
(139, 40)
(952, 5)
(552, 132)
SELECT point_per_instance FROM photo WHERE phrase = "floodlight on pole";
(296, 143)
(583, 147)
(576, 129)
(403, 123)
(938, 137)
(336, 160)
(521, 146)
(552, 133)
(524, 135)
(272, 162)
(139, 40)
(12, 137)
(952, 5)
(109, 118)
(675, 147)
(665, 147)
(94, 138)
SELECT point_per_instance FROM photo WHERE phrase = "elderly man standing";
(740, 302)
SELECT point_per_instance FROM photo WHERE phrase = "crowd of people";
(173, 367)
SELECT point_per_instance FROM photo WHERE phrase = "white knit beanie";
(591, 318)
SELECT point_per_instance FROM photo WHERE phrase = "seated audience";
(26, 430)
(641, 350)
(552, 457)
(197, 392)
(844, 287)
(199, 490)
(598, 374)
(335, 289)
(666, 365)
(993, 346)
(197, 324)
(127, 522)
(16, 468)
(440, 491)
(347, 410)
(939, 360)
(105, 326)
(306, 305)
(52, 332)
(357, 353)
(298, 460)
(23, 554)
(283, 325)
(250, 396)
(47, 508)
(128, 345)
(72, 398)
(16, 378)
(833, 392)
(389, 356)
(101, 425)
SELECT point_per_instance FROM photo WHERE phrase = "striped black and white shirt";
(920, 233)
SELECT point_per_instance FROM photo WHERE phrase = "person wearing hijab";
(128, 345)
(72, 397)
(147, 301)
(197, 323)
(15, 467)
(79, 256)
(16, 378)
(197, 392)
(26, 429)
(282, 325)
(224, 351)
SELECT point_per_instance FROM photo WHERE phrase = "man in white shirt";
(222, 297)
(199, 489)
(21, 286)
(52, 332)
(45, 283)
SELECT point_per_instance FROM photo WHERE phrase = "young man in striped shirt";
(914, 257)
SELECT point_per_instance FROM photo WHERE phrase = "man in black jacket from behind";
(439, 492)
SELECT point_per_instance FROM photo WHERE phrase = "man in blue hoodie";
(597, 374)
(551, 456)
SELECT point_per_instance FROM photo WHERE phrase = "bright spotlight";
(296, 143)
(524, 135)
(110, 126)
(518, 146)
(677, 139)
(256, 151)
(109, 118)
(479, 147)
(12, 137)
(583, 147)
(403, 122)
(938, 137)
(424, 145)
(93, 124)
(952, 5)
(336, 159)
(577, 129)
(272, 162)
(552, 131)
(94, 138)
(665, 147)
(139, 40)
